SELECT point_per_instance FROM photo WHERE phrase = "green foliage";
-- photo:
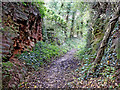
(73, 43)
(84, 55)
(42, 8)
(42, 54)
(24, 3)
(7, 64)
(86, 58)
(6, 67)
(55, 17)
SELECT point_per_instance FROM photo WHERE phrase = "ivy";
(41, 54)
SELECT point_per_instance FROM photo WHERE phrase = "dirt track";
(57, 75)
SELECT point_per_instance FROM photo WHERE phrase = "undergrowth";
(86, 70)
(12, 74)
(42, 54)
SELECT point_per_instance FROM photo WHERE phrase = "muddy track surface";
(56, 75)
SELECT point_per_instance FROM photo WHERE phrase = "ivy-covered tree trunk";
(107, 34)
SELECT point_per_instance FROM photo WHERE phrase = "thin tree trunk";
(67, 18)
(72, 25)
(68, 11)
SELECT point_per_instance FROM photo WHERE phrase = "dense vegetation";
(82, 38)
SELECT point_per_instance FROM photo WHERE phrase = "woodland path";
(56, 75)
(62, 73)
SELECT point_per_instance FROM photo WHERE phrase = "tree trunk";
(67, 18)
(72, 25)
(104, 42)
(68, 11)
(118, 47)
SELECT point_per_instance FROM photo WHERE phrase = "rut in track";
(56, 75)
